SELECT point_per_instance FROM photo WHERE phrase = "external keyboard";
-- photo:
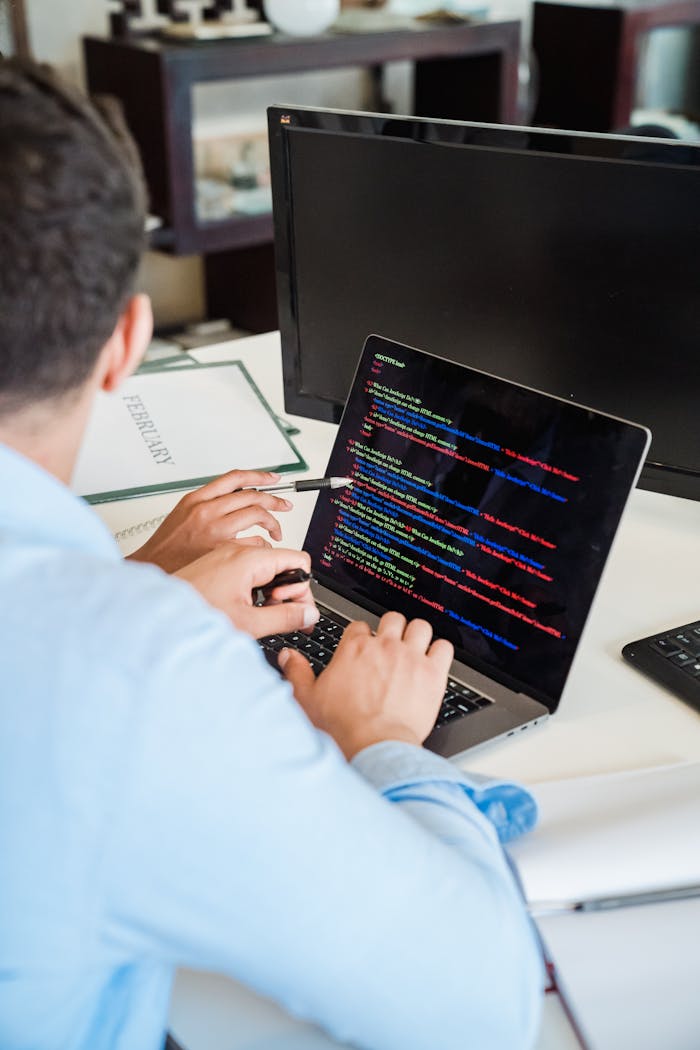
(318, 648)
(671, 658)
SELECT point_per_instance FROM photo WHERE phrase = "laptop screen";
(482, 506)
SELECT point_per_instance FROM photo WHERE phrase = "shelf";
(201, 60)
(462, 72)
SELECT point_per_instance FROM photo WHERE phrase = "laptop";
(482, 506)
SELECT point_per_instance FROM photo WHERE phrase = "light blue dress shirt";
(164, 802)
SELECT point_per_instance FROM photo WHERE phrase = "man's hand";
(383, 686)
(215, 514)
(227, 577)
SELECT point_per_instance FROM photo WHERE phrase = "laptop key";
(329, 626)
(466, 692)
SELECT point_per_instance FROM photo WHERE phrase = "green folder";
(175, 426)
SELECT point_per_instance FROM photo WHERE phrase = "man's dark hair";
(72, 212)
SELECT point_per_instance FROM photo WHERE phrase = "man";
(166, 798)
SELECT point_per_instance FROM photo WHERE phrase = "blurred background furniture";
(588, 58)
(14, 31)
(465, 71)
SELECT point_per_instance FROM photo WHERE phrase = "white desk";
(611, 717)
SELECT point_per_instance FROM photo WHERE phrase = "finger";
(284, 618)
(290, 592)
(297, 670)
(231, 502)
(356, 629)
(236, 479)
(263, 565)
(253, 541)
(418, 635)
(249, 516)
(392, 625)
(441, 653)
(354, 632)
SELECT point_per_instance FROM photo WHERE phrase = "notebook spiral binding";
(142, 526)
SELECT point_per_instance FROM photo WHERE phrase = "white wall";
(4, 29)
(56, 26)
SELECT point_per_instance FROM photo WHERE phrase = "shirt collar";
(36, 506)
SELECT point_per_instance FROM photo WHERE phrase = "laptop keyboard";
(318, 648)
(671, 658)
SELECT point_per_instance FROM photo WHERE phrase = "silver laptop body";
(485, 507)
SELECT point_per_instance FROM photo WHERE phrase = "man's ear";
(126, 346)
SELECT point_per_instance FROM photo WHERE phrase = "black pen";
(282, 579)
(307, 485)
(620, 900)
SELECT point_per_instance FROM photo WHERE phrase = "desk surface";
(611, 717)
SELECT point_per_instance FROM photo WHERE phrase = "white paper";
(211, 355)
(615, 834)
(176, 427)
(630, 976)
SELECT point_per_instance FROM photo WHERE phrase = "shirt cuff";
(391, 765)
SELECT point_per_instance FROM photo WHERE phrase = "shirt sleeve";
(242, 842)
(421, 781)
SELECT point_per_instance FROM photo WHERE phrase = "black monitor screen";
(484, 507)
(563, 261)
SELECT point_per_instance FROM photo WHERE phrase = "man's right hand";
(383, 686)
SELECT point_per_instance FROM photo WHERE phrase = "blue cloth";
(164, 802)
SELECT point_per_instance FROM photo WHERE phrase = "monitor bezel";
(671, 479)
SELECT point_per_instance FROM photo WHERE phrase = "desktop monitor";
(563, 261)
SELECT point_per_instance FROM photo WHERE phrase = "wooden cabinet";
(588, 58)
